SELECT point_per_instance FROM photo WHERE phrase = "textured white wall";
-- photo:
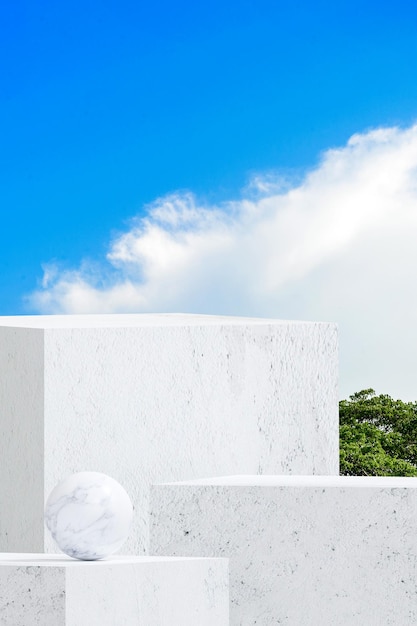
(21, 439)
(148, 398)
(303, 550)
(36, 590)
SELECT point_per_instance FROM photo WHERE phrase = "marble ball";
(89, 515)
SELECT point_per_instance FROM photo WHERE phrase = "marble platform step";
(151, 398)
(304, 550)
(54, 590)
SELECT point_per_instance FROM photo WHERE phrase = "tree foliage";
(378, 435)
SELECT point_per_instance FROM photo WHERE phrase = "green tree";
(378, 435)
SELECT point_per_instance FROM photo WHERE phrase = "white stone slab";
(53, 590)
(304, 550)
(150, 398)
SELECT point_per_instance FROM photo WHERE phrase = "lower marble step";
(54, 590)
(304, 550)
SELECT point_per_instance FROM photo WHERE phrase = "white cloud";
(340, 245)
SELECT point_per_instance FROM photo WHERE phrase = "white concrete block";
(53, 590)
(151, 398)
(304, 551)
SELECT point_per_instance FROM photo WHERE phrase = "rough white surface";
(89, 515)
(21, 439)
(41, 590)
(273, 480)
(304, 551)
(132, 320)
(151, 398)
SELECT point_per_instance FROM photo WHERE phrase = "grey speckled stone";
(32, 595)
(49, 590)
(304, 551)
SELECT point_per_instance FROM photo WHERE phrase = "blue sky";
(107, 107)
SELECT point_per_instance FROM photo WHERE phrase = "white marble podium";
(151, 398)
(54, 590)
(304, 550)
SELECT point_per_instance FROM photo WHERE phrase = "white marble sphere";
(89, 515)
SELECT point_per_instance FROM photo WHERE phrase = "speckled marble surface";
(54, 590)
(304, 551)
(150, 398)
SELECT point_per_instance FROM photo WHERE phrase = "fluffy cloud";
(340, 245)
